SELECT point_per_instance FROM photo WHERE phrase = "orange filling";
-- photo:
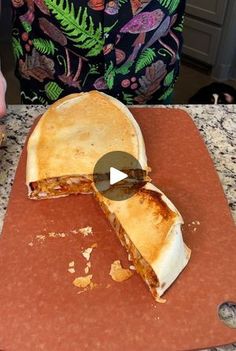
(141, 265)
(60, 186)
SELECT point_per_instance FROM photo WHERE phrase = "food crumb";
(74, 231)
(194, 229)
(31, 243)
(197, 222)
(118, 273)
(56, 235)
(160, 299)
(94, 245)
(40, 237)
(83, 282)
(72, 264)
(86, 231)
(193, 222)
(86, 270)
(81, 291)
(108, 286)
(87, 252)
(132, 268)
(92, 285)
(88, 264)
(71, 270)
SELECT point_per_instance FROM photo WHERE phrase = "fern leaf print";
(167, 93)
(109, 75)
(145, 59)
(79, 27)
(17, 48)
(128, 98)
(180, 27)
(122, 2)
(170, 5)
(27, 26)
(44, 46)
(169, 78)
(124, 69)
(53, 90)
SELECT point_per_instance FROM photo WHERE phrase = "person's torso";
(128, 49)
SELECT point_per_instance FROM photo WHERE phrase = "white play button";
(116, 175)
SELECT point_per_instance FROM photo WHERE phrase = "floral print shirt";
(129, 49)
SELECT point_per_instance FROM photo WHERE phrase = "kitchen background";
(209, 52)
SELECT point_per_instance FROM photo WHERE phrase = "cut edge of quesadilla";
(149, 226)
(59, 187)
(58, 157)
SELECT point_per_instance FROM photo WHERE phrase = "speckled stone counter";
(217, 124)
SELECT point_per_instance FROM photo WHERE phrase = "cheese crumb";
(72, 264)
(74, 231)
(40, 237)
(81, 291)
(118, 273)
(87, 252)
(86, 231)
(83, 282)
(31, 244)
(86, 270)
(56, 235)
(132, 268)
(71, 270)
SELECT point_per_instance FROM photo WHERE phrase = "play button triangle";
(116, 175)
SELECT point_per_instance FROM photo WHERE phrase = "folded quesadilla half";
(149, 227)
(71, 136)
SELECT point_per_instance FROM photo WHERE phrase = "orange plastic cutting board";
(40, 309)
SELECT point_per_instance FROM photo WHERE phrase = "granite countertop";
(216, 123)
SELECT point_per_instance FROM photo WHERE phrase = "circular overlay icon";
(118, 175)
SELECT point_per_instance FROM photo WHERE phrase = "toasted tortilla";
(71, 136)
(149, 227)
(62, 151)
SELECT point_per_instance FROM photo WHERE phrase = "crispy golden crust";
(146, 212)
(141, 265)
(69, 137)
(148, 226)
